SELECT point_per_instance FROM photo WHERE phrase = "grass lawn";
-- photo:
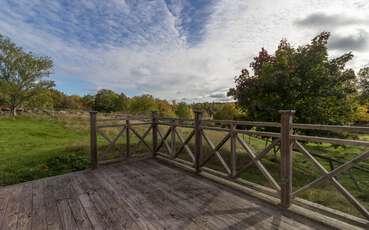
(31, 148)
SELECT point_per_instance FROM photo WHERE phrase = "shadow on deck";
(143, 194)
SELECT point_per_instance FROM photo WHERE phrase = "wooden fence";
(283, 137)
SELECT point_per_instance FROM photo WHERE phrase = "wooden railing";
(283, 137)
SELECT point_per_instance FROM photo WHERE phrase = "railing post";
(286, 157)
(198, 139)
(173, 139)
(128, 142)
(93, 140)
(154, 132)
(233, 150)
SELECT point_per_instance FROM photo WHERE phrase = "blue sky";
(175, 49)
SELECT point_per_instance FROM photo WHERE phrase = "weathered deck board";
(141, 194)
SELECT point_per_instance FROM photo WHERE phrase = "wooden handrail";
(336, 128)
(284, 140)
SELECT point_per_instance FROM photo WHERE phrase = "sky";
(184, 50)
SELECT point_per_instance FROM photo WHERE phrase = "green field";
(32, 148)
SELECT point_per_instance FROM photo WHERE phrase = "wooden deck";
(142, 194)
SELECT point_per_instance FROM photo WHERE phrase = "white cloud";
(156, 56)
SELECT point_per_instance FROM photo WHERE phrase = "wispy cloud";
(174, 49)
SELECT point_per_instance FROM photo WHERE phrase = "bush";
(65, 163)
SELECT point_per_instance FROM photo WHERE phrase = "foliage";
(88, 101)
(21, 74)
(183, 111)
(362, 114)
(321, 90)
(106, 100)
(68, 162)
(122, 103)
(364, 84)
(165, 109)
(226, 111)
(142, 104)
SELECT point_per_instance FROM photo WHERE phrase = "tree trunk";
(13, 106)
(13, 111)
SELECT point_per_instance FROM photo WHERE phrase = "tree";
(41, 100)
(143, 104)
(364, 84)
(106, 100)
(226, 111)
(88, 101)
(73, 102)
(321, 90)
(123, 103)
(183, 111)
(164, 108)
(21, 74)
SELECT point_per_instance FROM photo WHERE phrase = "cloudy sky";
(174, 49)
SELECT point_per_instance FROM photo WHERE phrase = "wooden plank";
(11, 214)
(199, 198)
(216, 204)
(4, 198)
(115, 216)
(25, 207)
(78, 213)
(165, 201)
(62, 205)
(119, 185)
(50, 199)
(93, 204)
(87, 204)
(38, 205)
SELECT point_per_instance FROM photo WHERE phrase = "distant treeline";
(108, 101)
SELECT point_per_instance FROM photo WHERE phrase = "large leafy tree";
(143, 104)
(106, 100)
(22, 74)
(321, 90)
(183, 111)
